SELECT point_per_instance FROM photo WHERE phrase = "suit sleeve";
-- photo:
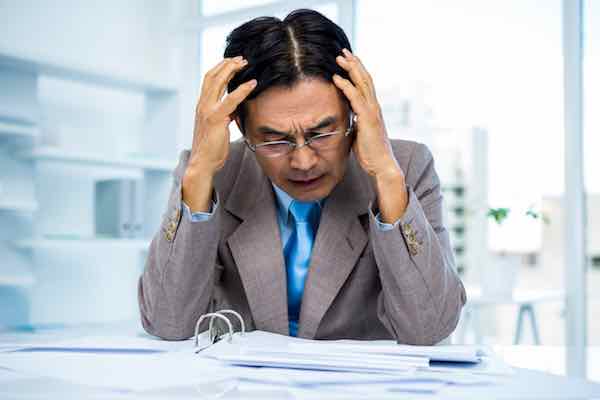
(177, 283)
(422, 295)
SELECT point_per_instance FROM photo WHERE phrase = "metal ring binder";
(213, 315)
(239, 317)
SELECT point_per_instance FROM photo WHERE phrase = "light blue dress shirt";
(283, 207)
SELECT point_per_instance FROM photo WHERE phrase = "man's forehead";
(304, 105)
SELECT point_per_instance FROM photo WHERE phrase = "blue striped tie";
(297, 256)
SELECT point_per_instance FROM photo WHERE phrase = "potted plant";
(499, 275)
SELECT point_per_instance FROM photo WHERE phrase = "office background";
(97, 100)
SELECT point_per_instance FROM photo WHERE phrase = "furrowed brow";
(324, 123)
(266, 130)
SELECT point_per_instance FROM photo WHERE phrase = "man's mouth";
(306, 182)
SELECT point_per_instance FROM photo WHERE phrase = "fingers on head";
(216, 78)
(358, 73)
(351, 92)
(233, 99)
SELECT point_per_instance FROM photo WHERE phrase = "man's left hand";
(371, 146)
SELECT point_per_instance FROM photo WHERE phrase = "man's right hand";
(210, 145)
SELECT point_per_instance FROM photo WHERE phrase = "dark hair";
(281, 53)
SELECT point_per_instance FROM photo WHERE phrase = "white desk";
(550, 359)
(526, 384)
(524, 299)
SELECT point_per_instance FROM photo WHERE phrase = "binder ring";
(203, 317)
(239, 317)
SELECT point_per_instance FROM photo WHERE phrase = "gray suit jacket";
(363, 283)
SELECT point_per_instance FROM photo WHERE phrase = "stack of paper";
(452, 353)
(263, 349)
(319, 361)
(311, 368)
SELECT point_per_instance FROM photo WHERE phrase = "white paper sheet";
(449, 353)
(108, 344)
(279, 376)
(119, 371)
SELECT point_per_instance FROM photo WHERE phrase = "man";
(315, 224)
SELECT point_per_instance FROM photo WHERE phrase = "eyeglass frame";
(294, 146)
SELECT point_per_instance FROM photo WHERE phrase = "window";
(591, 144)
(212, 7)
(482, 84)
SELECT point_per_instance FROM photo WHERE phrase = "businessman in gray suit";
(315, 224)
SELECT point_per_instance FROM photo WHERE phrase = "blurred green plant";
(537, 215)
(499, 215)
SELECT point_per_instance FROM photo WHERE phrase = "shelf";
(23, 281)
(18, 206)
(8, 128)
(60, 155)
(40, 64)
(51, 243)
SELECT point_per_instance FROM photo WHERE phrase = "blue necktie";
(297, 256)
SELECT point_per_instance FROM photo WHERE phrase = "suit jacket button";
(413, 249)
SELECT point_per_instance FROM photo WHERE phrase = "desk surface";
(550, 359)
(525, 384)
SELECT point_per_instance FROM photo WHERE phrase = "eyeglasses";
(317, 142)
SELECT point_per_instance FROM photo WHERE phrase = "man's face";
(312, 105)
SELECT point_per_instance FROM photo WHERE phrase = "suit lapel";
(257, 250)
(256, 247)
(340, 241)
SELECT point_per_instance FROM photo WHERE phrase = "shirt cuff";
(384, 226)
(198, 216)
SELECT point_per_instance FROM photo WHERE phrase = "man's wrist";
(392, 195)
(196, 190)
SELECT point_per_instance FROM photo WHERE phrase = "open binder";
(265, 349)
(213, 332)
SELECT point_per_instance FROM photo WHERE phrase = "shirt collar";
(284, 201)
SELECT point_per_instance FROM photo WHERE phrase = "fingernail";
(238, 58)
(253, 82)
(346, 52)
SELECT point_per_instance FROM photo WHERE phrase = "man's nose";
(303, 158)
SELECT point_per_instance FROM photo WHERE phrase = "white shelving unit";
(88, 243)
(38, 64)
(11, 128)
(64, 127)
(18, 206)
(456, 220)
(131, 161)
(18, 281)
